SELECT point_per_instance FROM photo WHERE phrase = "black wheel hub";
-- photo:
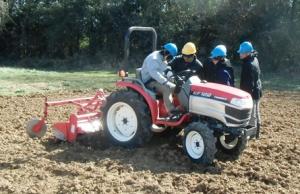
(125, 121)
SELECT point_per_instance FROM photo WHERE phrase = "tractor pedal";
(171, 118)
(175, 117)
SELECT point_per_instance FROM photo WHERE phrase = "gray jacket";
(153, 68)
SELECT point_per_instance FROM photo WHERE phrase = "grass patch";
(16, 81)
(283, 81)
(19, 81)
(273, 81)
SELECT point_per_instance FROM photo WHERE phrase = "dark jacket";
(178, 64)
(250, 77)
(221, 73)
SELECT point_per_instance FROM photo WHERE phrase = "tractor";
(214, 116)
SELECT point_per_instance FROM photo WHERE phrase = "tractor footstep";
(172, 118)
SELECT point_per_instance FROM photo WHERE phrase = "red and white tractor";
(213, 117)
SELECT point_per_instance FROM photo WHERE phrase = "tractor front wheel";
(199, 143)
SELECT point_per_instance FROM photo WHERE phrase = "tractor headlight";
(242, 102)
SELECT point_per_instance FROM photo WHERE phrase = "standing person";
(219, 69)
(187, 60)
(250, 80)
(153, 75)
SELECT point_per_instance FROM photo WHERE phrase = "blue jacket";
(221, 73)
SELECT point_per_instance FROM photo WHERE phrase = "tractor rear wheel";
(127, 119)
(233, 146)
(199, 143)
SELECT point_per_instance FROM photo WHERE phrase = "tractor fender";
(149, 100)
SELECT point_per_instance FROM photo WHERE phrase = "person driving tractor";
(153, 76)
(187, 60)
(219, 69)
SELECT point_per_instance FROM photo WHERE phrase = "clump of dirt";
(91, 165)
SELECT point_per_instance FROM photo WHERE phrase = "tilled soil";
(268, 165)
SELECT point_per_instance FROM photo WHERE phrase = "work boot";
(175, 115)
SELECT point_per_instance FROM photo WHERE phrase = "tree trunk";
(292, 15)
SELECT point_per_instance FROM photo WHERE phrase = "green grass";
(274, 81)
(284, 81)
(16, 81)
(19, 81)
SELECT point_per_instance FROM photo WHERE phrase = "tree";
(64, 28)
(3, 12)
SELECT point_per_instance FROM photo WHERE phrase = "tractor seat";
(138, 75)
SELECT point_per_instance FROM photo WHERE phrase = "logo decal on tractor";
(220, 98)
(204, 94)
(210, 96)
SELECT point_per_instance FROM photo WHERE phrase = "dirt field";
(269, 165)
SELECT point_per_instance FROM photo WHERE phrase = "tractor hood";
(229, 105)
(222, 93)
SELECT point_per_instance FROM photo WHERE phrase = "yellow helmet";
(189, 49)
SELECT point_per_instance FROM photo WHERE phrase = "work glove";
(170, 85)
(169, 74)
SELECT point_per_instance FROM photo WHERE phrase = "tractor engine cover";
(229, 105)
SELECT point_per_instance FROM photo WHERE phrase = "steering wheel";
(184, 75)
(181, 77)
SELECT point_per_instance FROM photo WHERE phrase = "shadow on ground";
(162, 154)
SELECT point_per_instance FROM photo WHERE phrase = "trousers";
(166, 92)
(255, 114)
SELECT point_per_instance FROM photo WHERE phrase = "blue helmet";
(219, 51)
(171, 48)
(245, 47)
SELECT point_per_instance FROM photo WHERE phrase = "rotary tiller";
(85, 120)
